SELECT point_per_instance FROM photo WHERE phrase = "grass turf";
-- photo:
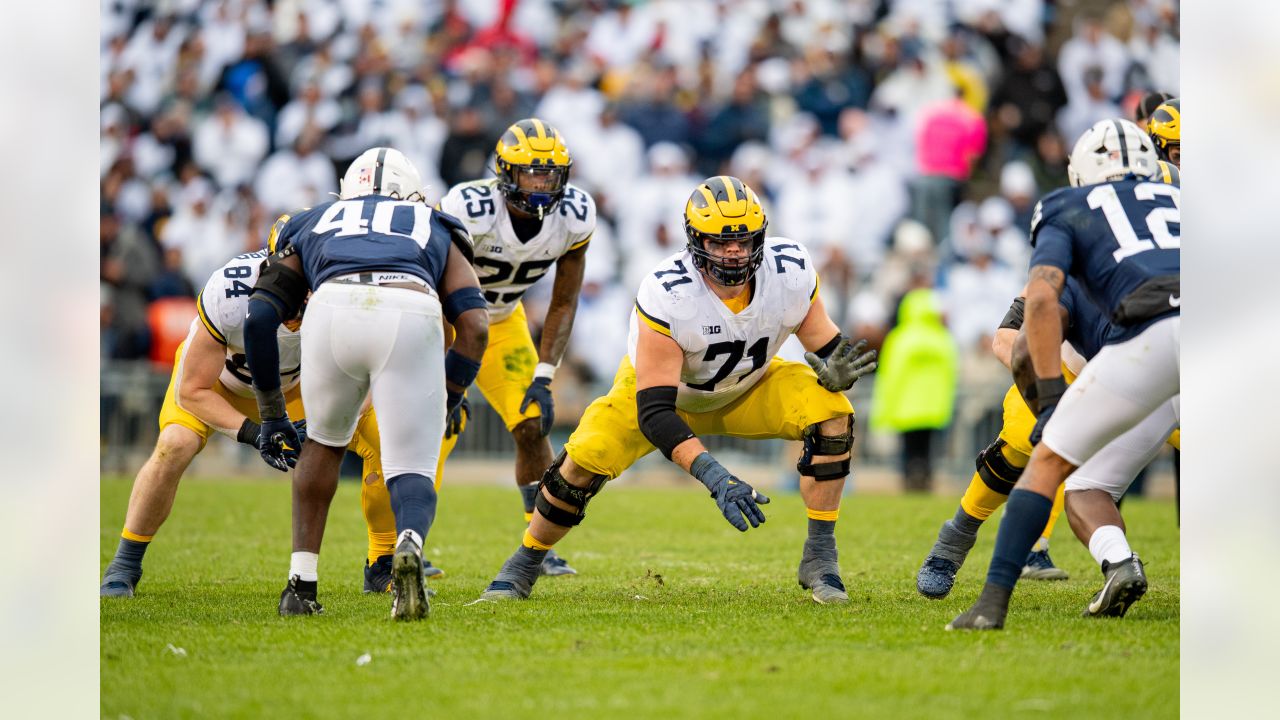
(675, 614)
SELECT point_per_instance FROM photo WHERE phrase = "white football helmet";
(1110, 150)
(382, 171)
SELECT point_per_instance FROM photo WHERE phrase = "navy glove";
(540, 392)
(738, 501)
(459, 410)
(1047, 394)
(279, 441)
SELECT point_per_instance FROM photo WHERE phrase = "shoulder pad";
(1050, 208)
(458, 233)
(475, 203)
(791, 261)
(672, 287)
(579, 211)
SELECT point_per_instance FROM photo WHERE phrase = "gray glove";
(842, 368)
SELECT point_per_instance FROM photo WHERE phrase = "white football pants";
(362, 339)
(1123, 384)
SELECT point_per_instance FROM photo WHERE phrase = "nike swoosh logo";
(1175, 300)
(1095, 605)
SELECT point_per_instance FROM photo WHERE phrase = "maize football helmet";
(534, 150)
(1165, 128)
(723, 209)
(1110, 150)
(382, 171)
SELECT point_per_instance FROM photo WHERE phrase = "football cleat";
(976, 619)
(409, 599)
(297, 599)
(1039, 566)
(118, 584)
(377, 577)
(506, 590)
(820, 574)
(431, 572)
(1126, 583)
(553, 565)
(936, 577)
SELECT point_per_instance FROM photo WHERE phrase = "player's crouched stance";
(707, 325)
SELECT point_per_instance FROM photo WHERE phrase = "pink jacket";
(950, 136)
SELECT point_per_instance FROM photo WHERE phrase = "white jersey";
(506, 266)
(725, 354)
(223, 306)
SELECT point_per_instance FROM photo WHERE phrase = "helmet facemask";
(533, 189)
(727, 271)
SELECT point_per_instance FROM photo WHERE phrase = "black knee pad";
(816, 443)
(995, 470)
(560, 489)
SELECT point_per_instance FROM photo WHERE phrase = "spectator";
(466, 150)
(950, 137)
(296, 177)
(979, 289)
(1092, 47)
(915, 385)
(1027, 98)
(1082, 111)
(230, 144)
(312, 108)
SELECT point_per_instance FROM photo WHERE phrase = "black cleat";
(299, 598)
(377, 577)
(987, 613)
(1126, 583)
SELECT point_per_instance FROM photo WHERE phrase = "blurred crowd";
(905, 142)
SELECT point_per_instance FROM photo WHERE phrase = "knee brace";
(816, 443)
(995, 470)
(560, 489)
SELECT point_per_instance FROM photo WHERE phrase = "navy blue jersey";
(366, 234)
(1087, 328)
(1121, 241)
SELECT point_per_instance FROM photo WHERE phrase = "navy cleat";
(299, 598)
(431, 572)
(506, 590)
(936, 577)
(409, 599)
(1126, 584)
(118, 582)
(553, 565)
(377, 577)
(1039, 565)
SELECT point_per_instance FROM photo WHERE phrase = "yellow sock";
(532, 543)
(1054, 513)
(828, 515)
(528, 518)
(375, 502)
(124, 533)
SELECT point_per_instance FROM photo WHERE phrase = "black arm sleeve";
(658, 419)
(262, 355)
(1013, 318)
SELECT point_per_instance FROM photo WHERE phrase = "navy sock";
(128, 557)
(413, 500)
(1024, 518)
(529, 493)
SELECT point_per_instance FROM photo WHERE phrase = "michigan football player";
(707, 324)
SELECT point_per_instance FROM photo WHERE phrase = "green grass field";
(675, 614)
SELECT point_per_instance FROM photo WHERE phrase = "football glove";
(279, 441)
(540, 392)
(459, 413)
(1048, 393)
(738, 501)
(842, 368)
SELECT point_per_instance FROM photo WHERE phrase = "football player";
(385, 270)
(209, 390)
(707, 324)
(524, 221)
(1117, 233)
(1165, 129)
